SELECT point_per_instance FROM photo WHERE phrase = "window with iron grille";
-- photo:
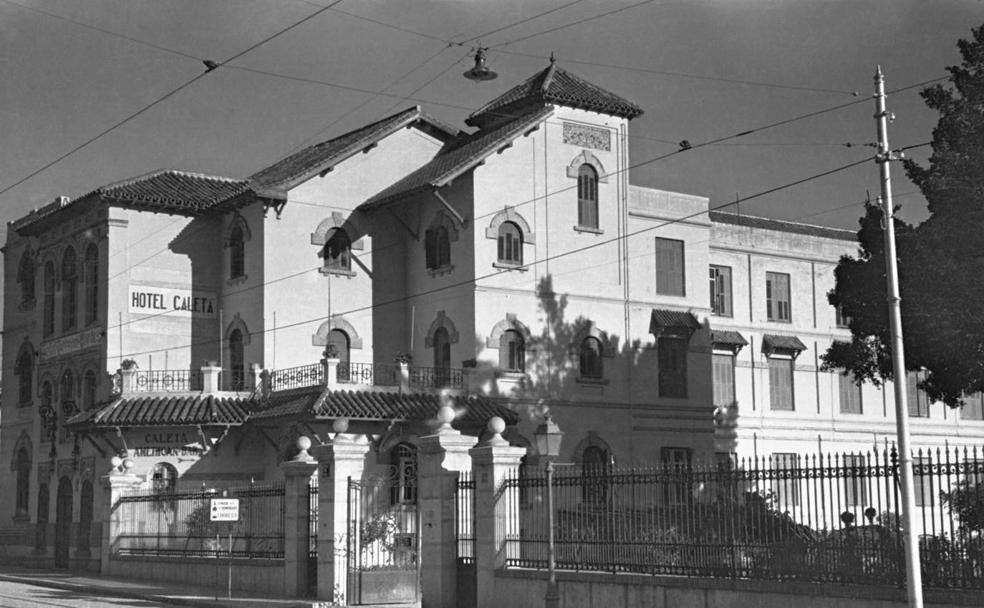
(777, 302)
(855, 480)
(677, 463)
(437, 248)
(672, 366)
(786, 480)
(512, 351)
(510, 244)
(723, 376)
(781, 383)
(850, 394)
(670, 273)
(590, 365)
(720, 289)
(337, 252)
(595, 471)
(587, 197)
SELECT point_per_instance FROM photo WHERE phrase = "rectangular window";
(855, 486)
(672, 367)
(840, 318)
(850, 394)
(781, 383)
(785, 480)
(917, 398)
(669, 267)
(777, 305)
(973, 408)
(720, 288)
(677, 461)
(922, 481)
(723, 375)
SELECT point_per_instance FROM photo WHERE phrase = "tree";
(940, 261)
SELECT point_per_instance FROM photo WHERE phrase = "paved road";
(25, 595)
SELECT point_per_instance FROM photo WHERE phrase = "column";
(297, 478)
(338, 460)
(492, 462)
(441, 457)
(115, 483)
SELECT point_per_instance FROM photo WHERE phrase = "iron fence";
(831, 518)
(464, 504)
(167, 380)
(297, 377)
(368, 374)
(178, 524)
(436, 377)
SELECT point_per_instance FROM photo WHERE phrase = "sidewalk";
(167, 593)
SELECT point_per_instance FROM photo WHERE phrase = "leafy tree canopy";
(940, 261)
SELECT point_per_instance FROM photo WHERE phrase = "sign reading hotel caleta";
(148, 300)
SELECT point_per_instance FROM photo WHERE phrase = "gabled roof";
(728, 337)
(319, 402)
(782, 226)
(774, 342)
(457, 157)
(164, 191)
(553, 85)
(165, 410)
(672, 321)
(312, 160)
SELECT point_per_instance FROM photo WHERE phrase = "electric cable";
(571, 24)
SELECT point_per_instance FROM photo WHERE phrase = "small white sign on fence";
(225, 509)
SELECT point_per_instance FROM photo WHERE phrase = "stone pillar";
(297, 478)
(331, 371)
(441, 457)
(257, 372)
(342, 458)
(128, 381)
(115, 483)
(492, 462)
(404, 373)
(210, 379)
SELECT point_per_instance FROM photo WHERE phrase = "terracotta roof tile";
(166, 410)
(661, 320)
(461, 155)
(728, 337)
(777, 342)
(554, 85)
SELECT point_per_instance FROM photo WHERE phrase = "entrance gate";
(383, 556)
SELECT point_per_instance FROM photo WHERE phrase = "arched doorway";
(63, 522)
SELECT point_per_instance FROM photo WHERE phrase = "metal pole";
(884, 156)
(552, 599)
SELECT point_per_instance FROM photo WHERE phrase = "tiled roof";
(166, 410)
(459, 156)
(379, 405)
(554, 85)
(672, 319)
(317, 158)
(165, 191)
(728, 337)
(782, 226)
(775, 342)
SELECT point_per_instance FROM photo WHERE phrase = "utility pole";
(884, 156)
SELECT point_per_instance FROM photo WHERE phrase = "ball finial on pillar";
(445, 415)
(303, 445)
(496, 426)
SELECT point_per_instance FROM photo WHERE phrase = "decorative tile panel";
(587, 137)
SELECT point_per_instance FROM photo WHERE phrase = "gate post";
(115, 484)
(341, 458)
(442, 456)
(297, 475)
(492, 462)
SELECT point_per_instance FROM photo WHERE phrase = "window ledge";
(787, 321)
(340, 272)
(590, 229)
(237, 280)
(436, 272)
(592, 381)
(510, 266)
(511, 376)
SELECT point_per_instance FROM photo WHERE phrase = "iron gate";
(383, 548)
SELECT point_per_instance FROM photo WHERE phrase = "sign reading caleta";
(144, 299)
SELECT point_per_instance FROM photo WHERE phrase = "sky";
(701, 70)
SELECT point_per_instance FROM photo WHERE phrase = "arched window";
(437, 245)
(88, 390)
(442, 357)
(587, 197)
(237, 252)
(510, 243)
(25, 276)
(404, 461)
(512, 351)
(25, 376)
(47, 411)
(595, 469)
(237, 366)
(22, 465)
(337, 251)
(164, 478)
(49, 299)
(340, 346)
(590, 359)
(91, 271)
(68, 405)
(70, 287)
(41, 530)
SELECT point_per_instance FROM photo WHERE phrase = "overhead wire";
(571, 24)
(521, 22)
(160, 100)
